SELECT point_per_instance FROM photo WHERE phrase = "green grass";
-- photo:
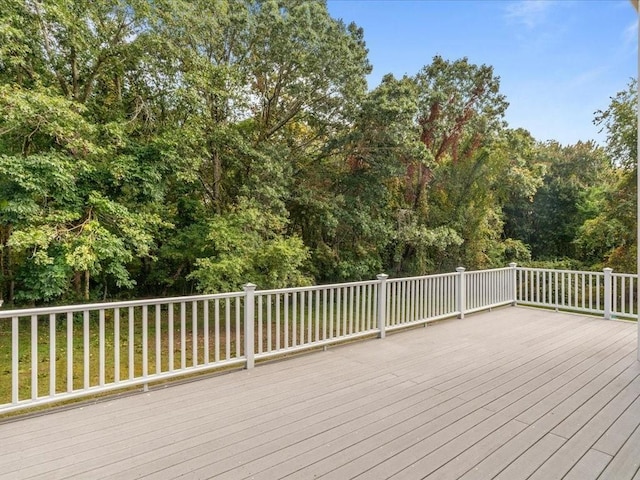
(228, 341)
(135, 354)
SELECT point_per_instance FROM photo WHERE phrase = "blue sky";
(558, 60)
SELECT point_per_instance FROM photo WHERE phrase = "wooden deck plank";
(142, 441)
(473, 398)
(589, 467)
(618, 433)
(452, 461)
(532, 458)
(152, 445)
(196, 413)
(378, 442)
(477, 432)
(564, 459)
(561, 389)
(601, 406)
(626, 464)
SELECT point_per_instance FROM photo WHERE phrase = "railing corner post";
(608, 295)
(249, 324)
(382, 304)
(461, 292)
(514, 283)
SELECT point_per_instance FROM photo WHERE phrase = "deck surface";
(510, 394)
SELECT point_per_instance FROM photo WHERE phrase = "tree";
(570, 193)
(609, 236)
(70, 178)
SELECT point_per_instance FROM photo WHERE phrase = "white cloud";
(529, 13)
(630, 34)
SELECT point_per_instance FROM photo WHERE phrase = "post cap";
(382, 276)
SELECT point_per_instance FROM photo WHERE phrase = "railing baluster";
(205, 329)
(239, 342)
(294, 319)
(34, 357)
(286, 318)
(413, 299)
(260, 324)
(145, 341)
(332, 332)
(429, 297)
(623, 291)
(85, 325)
(171, 335)
(338, 315)
(345, 317)
(317, 317)
(216, 322)
(116, 345)
(70, 352)
(15, 360)
(324, 314)
(302, 317)
(194, 333)
(270, 307)
(277, 321)
(101, 348)
(632, 294)
(403, 305)
(52, 354)
(309, 316)
(130, 344)
(158, 338)
(357, 309)
(183, 335)
(227, 328)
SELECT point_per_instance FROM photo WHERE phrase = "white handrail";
(102, 347)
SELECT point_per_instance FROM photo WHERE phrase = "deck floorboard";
(507, 394)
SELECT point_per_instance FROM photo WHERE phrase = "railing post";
(608, 293)
(249, 324)
(514, 284)
(382, 304)
(461, 292)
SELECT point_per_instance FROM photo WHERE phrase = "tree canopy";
(168, 147)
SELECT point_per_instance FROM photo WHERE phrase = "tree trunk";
(217, 178)
(86, 284)
(77, 283)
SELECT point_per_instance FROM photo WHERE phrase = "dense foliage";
(167, 147)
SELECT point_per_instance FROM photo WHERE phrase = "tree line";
(171, 147)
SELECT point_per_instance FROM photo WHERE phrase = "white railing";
(293, 319)
(623, 295)
(602, 293)
(411, 301)
(488, 288)
(62, 353)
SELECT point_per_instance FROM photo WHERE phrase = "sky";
(559, 61)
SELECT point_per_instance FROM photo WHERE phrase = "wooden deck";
(509, 394)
